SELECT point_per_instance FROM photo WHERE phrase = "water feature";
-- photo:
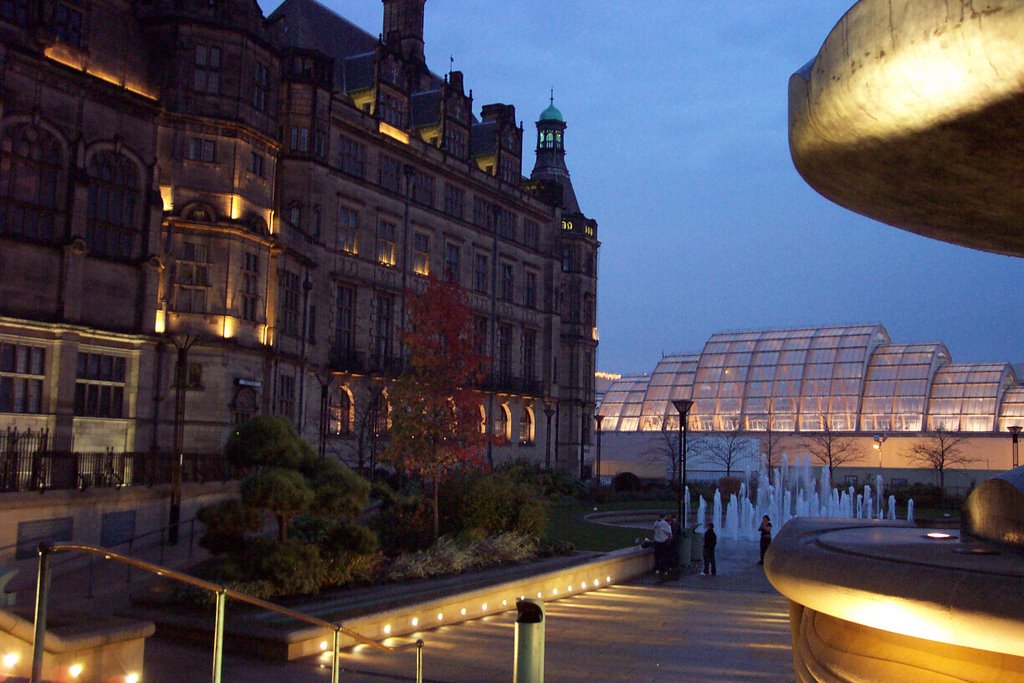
(794, 493)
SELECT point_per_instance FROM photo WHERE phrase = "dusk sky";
(677, 146)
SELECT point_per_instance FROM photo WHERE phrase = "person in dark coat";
(766, 535)
(673, 545)
(710, 541)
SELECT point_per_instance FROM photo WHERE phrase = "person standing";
(710, 541)
(662, 536)
(674, 564)
(766, 536)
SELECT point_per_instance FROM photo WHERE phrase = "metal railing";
(221, 593)
(43, 470)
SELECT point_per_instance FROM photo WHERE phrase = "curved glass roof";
(966, 397)
(1012, 412)
(844, 378)
(622, 403)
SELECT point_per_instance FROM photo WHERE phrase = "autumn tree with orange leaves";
(435, 412)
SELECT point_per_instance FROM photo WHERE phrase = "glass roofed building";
(795, 383)
(839, 378)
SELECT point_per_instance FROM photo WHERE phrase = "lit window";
(421, 254)
(386, 243)
(99, 385)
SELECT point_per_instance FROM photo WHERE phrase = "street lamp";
(597, 464)
(1015, 433)
(548, 413)
(182, 343)
(683, 406)
(877, 445)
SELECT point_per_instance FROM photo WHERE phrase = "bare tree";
(941, 452)
(769, 442)
(359, 448)
(666, 449)
(833, 449)
(727, 449)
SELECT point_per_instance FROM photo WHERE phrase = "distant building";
(183, 180)
(793, 383)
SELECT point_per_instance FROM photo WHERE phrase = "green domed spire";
(551, 113)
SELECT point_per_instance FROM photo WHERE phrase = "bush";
(227, 524)
(492, 504)
(449, 556)
(406, 525)
(626, 481)
(924, 495)
(293, 567)
(729, 485)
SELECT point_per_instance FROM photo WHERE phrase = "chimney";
(455, 80)
(403, 27)
(502, 113)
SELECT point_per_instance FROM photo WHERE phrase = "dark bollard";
(529, 646)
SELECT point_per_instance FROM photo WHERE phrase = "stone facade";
(254, 198)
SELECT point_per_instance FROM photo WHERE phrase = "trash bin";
(529, 646)
(697, 543)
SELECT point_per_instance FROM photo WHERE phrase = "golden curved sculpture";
(872, 600)
(912, 113)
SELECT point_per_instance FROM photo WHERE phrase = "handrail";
(221, 593)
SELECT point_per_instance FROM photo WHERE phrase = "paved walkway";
(730, 627)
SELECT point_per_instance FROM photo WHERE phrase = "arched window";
(526, 427)
(380, 414)
(502, 422)
(114, 193)
(341, 413)
(31, 165)
(245, 405)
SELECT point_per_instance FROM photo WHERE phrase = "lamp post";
(877, 445)
(182, 343)
(326, 379)
(597, 462)
(683, 406)
(584, 419)
(1015, 433)
(548, 413)
(307, 288)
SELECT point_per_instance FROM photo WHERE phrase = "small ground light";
(504, 603)
(10, 659)
(462, 611)
(539, 595)
(440, 616)
(570, 588)
(607, 579)
(131, 678)
(387, 629)
(415, 621)
(323, 644)
(483, 607)
(554, 591)
(75, 670)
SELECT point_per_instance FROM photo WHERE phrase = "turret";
(550, 164)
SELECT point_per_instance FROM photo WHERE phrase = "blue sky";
(677, 146)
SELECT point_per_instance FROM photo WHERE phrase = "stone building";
(189, 184)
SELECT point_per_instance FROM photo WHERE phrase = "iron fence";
(25, 469)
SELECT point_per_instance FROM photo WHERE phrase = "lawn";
(566, 523)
